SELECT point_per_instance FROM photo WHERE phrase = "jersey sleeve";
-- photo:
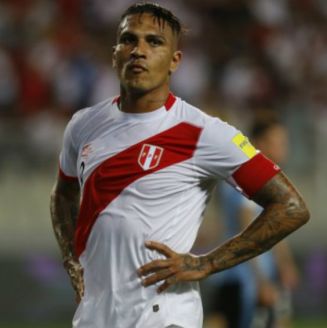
(254, 174)
(68, 154)
(228, 154)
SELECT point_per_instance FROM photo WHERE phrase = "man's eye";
(155, 42)
(127, 40)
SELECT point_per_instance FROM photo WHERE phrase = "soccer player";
(145, 163)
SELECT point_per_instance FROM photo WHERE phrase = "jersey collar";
(168, 104)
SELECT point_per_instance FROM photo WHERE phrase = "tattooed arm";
(284, 212)
(64, 207)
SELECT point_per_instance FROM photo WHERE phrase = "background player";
(145, 163)
(266, 280)
(279, 274)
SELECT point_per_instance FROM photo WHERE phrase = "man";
(279, 274)
(266, 280)
(145, 163)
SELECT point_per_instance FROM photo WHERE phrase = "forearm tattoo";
(64, 206)
(284, 211)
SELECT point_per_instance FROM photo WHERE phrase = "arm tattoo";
(284, 212)
(195, 263)
(191, 263)
(64, 207)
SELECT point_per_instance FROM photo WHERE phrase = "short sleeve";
(228, 154)
(68, 154)
(223, 148)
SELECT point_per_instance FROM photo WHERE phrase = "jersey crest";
(149, 156)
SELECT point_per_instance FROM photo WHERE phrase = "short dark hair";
(160, 13)
(260, 127)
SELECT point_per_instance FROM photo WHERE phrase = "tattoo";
(195, 263)
(64, 207)
(284, 212)
(190, 263)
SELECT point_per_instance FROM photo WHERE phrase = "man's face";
(274, 144)
(145, 54)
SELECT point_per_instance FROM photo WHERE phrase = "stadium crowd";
(241, 57)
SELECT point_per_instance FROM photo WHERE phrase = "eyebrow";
(128, 33)
(156, 36)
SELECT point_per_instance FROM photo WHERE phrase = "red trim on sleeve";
(66, 177)
(254, 174)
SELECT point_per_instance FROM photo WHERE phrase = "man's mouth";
(136, 68)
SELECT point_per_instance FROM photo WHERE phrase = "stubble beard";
(133, 84)
(140, 85)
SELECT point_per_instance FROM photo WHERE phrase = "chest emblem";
(150, 156)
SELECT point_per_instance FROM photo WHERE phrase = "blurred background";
(242, 60)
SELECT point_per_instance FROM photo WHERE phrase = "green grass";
(310, 324)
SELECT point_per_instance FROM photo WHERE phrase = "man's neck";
(143, 102)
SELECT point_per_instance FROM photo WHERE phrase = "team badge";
(150, 156)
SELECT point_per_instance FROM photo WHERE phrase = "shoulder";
(191, 113)
(83, 116)
(88, 117)
(194, 115)
(214, 130)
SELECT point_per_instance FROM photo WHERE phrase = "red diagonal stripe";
(112, 176)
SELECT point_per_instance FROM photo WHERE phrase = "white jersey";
(143, 177)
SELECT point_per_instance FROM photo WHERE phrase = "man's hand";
(284, 212)
(75, 272)
(176, 268)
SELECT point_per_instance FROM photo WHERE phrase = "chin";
(136, 87)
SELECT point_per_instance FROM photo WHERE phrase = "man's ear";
(114, 56)
(175, 61)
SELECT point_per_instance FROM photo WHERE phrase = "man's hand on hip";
(175, 268)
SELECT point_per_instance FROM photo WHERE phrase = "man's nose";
(139, 49)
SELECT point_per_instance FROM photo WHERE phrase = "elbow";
(299, 211)
(305, 215)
